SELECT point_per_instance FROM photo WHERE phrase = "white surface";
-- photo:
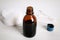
(14, 10)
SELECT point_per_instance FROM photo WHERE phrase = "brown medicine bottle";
(29, 23)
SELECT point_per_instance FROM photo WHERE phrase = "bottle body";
(29, 26)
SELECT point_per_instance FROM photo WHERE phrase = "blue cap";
(50, 27)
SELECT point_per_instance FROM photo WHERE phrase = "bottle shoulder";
(29, 17)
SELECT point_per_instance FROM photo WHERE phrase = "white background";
(14, 11)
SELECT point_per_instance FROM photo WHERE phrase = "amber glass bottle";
(29, 23)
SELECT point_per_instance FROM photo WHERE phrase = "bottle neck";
(29, 13)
